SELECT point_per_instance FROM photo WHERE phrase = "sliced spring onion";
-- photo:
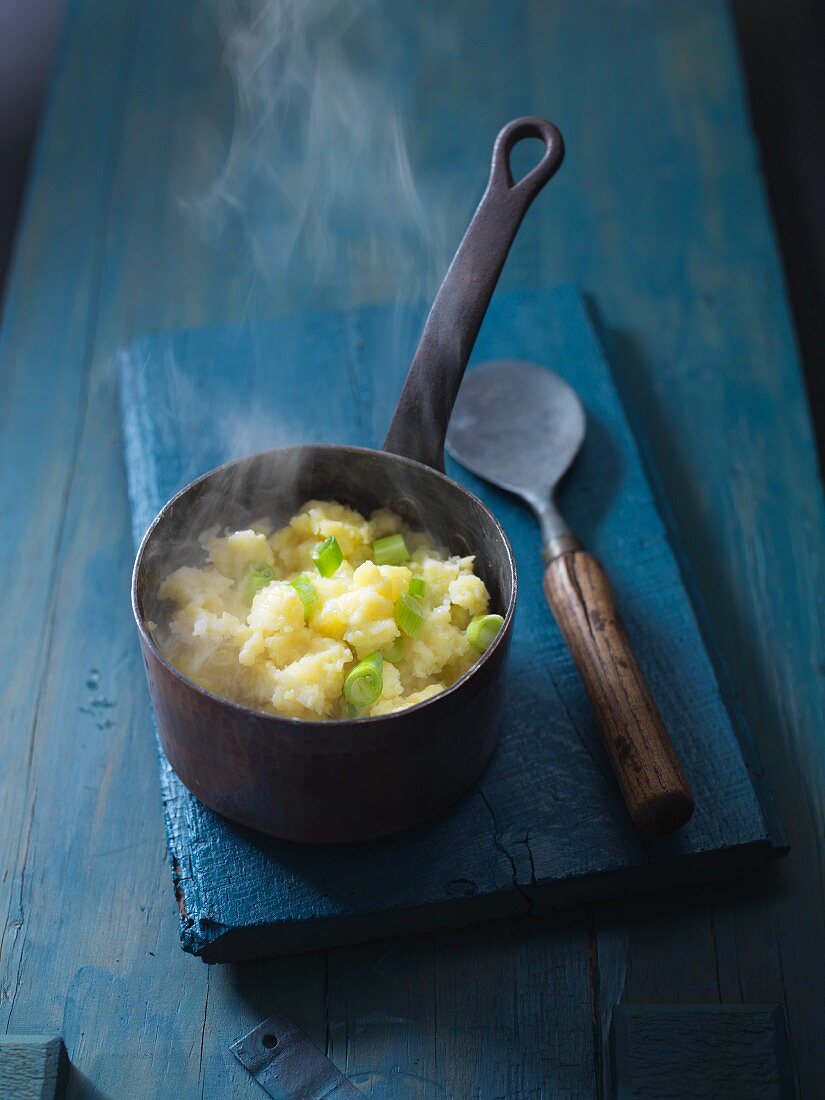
(364, 684)
(409, 614)
(417, 586)
(308, 593)
(256, 577)
(482, 630)
(390, 551)
(395, 651)
(327, 556)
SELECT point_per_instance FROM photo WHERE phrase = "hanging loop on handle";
(419, 425)
(541, 173)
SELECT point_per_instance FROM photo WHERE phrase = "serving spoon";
(520, 426)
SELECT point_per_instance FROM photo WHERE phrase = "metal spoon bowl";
(519, 426)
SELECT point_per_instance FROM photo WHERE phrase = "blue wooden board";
(545, 826)
(700, 1052)
(32, 1067)
(671, 232)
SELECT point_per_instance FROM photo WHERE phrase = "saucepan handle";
(420, 422)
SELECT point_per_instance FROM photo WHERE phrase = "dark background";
(782, 43)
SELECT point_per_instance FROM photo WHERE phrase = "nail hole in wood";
(269, 1040)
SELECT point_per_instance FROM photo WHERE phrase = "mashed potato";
(276, 651)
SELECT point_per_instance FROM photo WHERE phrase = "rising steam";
(317, 174)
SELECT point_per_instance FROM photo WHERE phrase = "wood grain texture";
(508, 847)
(670, 231)
(690, 294)
(700, 1052)
(32, 1067)
(640, 750)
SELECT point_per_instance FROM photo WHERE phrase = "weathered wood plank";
(669, 231)
(720, 1052)
(44, 351)
(32, 1067)
(672, 233)
(467, 1013)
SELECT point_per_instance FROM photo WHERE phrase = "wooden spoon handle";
(644, 760)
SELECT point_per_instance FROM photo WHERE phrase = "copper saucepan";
(352, 780)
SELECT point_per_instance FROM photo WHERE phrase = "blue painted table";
(145, 212)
